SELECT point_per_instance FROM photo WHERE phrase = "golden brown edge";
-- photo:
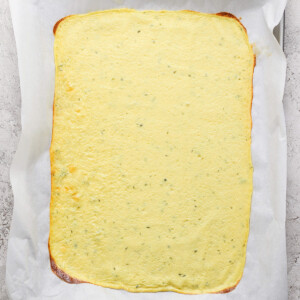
(55, 269)
(60, 273)
(67, 278)
(58, 22)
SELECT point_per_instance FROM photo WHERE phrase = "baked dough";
(150, 155)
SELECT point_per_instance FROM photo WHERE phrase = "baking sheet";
(279, 32)
(28, 269)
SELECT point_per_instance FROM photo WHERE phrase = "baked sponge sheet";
(150, 155)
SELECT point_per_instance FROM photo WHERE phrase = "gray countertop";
(10, 127)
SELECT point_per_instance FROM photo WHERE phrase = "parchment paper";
(28, 268)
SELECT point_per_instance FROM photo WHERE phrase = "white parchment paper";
(28, 269)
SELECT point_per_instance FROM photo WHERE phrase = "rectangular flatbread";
(150, 156)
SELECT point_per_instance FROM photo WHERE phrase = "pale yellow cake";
(150, 154)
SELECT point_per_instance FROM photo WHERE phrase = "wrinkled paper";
(28, 269)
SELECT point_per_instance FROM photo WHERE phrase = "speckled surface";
(292, 115)
(10, 127)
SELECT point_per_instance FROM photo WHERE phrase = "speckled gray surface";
(292, 115)
(10, 127)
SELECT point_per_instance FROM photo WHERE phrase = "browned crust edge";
(58, 22)
(229, 15)
(60, 273)
(67, 278)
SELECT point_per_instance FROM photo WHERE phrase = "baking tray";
(28, 271)
(279, 32)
